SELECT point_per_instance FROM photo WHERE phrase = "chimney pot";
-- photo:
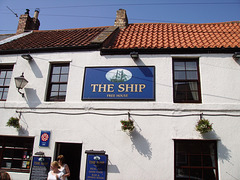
(27, 11)
(36, 13)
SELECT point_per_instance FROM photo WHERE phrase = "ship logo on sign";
(118, 75)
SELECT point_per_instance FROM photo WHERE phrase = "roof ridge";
(72, 29)
(227, 22)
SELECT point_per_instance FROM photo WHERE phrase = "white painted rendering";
(146, 153)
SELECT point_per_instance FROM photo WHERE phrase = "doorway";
(72, 154)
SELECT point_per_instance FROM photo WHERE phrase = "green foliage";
(203, 126)
(14, 122)
(127, 125)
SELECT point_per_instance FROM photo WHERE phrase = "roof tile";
(54, 39)
(168, 35)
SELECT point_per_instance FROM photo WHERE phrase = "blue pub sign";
(96, 167)
(119, 83)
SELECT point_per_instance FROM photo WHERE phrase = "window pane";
(191, 66)
(195, 160)
(209, 160)
(182, 174)
(7, 82)
(55, 87)
(55, 78)
(179, 65)
(65, 70)
(4, 95)
(192, 75)
(9, 74)
(62, 95)
(181, 159)
(63, 78)
(63, 87)
(2, 74)
(56, 70)
(179, 75)
(1, 82)
(196, 174)
(209, 174)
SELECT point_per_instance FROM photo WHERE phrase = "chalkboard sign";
(96, 168)
(40, 168)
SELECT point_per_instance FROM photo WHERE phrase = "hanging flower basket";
(14, 122)
(127, 125)
(203, 126)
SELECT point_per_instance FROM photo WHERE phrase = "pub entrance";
(72, 154)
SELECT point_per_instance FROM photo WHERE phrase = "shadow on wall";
(141, 144)
(112, 168)
(224, 154)
(35, 69)
(32, 98)
(23, 130)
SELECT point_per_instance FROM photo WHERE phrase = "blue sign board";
(40, 168)
(96, 168)
(119, 83)
(44, 138)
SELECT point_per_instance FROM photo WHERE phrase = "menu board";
(96, 168)
(40, 168)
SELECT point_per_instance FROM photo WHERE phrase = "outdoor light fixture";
(27, 57)
(20, 82)
(236, 55)
(134, 55)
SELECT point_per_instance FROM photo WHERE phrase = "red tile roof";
(168, 35)
(81, 37)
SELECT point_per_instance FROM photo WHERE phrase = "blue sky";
(66, 14)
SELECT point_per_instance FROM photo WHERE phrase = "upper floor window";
(196, 159)
(186, 81)
(57, 88)
(5, 77)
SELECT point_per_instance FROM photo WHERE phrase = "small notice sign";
(44, 138)
(40, 168)
(96, 168)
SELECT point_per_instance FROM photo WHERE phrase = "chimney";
(121, 18)
(26, 23)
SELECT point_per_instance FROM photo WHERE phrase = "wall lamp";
(27, 57)
(236, 56)
(20, 82)
(134, 55)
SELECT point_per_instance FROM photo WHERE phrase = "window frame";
(17, 151)
(50, 83)
(202, 167)
(196, 60)
(5, 68)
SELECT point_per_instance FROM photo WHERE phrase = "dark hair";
(61, 158)
(4, 176)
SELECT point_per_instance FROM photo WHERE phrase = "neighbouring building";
(160, 78)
